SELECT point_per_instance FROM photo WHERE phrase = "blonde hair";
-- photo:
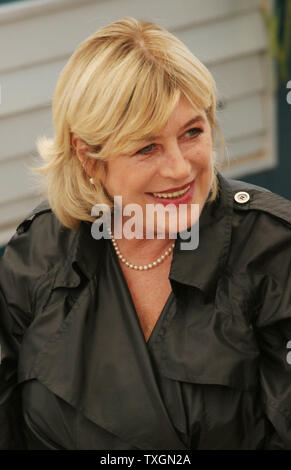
(119, 86)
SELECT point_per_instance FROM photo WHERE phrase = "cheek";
(124, 182)
(202, 157)
(115, 177)
(207, 153)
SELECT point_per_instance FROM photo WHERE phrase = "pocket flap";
(219, 352)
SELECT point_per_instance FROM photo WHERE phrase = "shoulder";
(41, 237)
(249, 197)
(38, 248)
(41, 208)
(256, 207)
(261, 231)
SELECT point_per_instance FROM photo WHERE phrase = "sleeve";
(273, 331)
(10, 401)
(14, 318)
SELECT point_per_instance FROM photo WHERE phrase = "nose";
(175, 165)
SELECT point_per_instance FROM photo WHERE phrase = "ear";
(81, 149)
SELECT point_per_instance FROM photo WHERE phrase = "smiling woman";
(135, 342)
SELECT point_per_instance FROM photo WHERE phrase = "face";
(174, 168)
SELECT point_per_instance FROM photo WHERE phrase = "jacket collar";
(201, 267)
(84, 260)
(189, 267)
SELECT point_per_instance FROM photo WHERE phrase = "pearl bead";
(134, 266)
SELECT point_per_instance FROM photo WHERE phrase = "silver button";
(242, 197)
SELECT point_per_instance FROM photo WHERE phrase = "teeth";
(174, 194)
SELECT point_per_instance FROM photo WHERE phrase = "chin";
(175, 222)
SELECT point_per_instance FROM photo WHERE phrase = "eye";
(194, 131)
(146, 149)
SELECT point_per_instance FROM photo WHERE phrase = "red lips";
(186, 198)
(171, 190)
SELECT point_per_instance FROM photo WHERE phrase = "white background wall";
(37, 37)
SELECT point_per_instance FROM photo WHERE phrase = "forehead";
(183, 115)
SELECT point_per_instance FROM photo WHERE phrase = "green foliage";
(279, 28)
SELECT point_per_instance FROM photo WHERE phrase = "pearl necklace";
(141, 267)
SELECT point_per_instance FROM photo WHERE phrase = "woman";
(138, 343)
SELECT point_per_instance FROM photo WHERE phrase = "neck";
(142, 248)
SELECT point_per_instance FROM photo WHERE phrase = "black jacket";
(76, 372)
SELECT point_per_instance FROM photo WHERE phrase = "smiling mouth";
(172, 195)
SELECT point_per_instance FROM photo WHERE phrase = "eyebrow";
(189, 123)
